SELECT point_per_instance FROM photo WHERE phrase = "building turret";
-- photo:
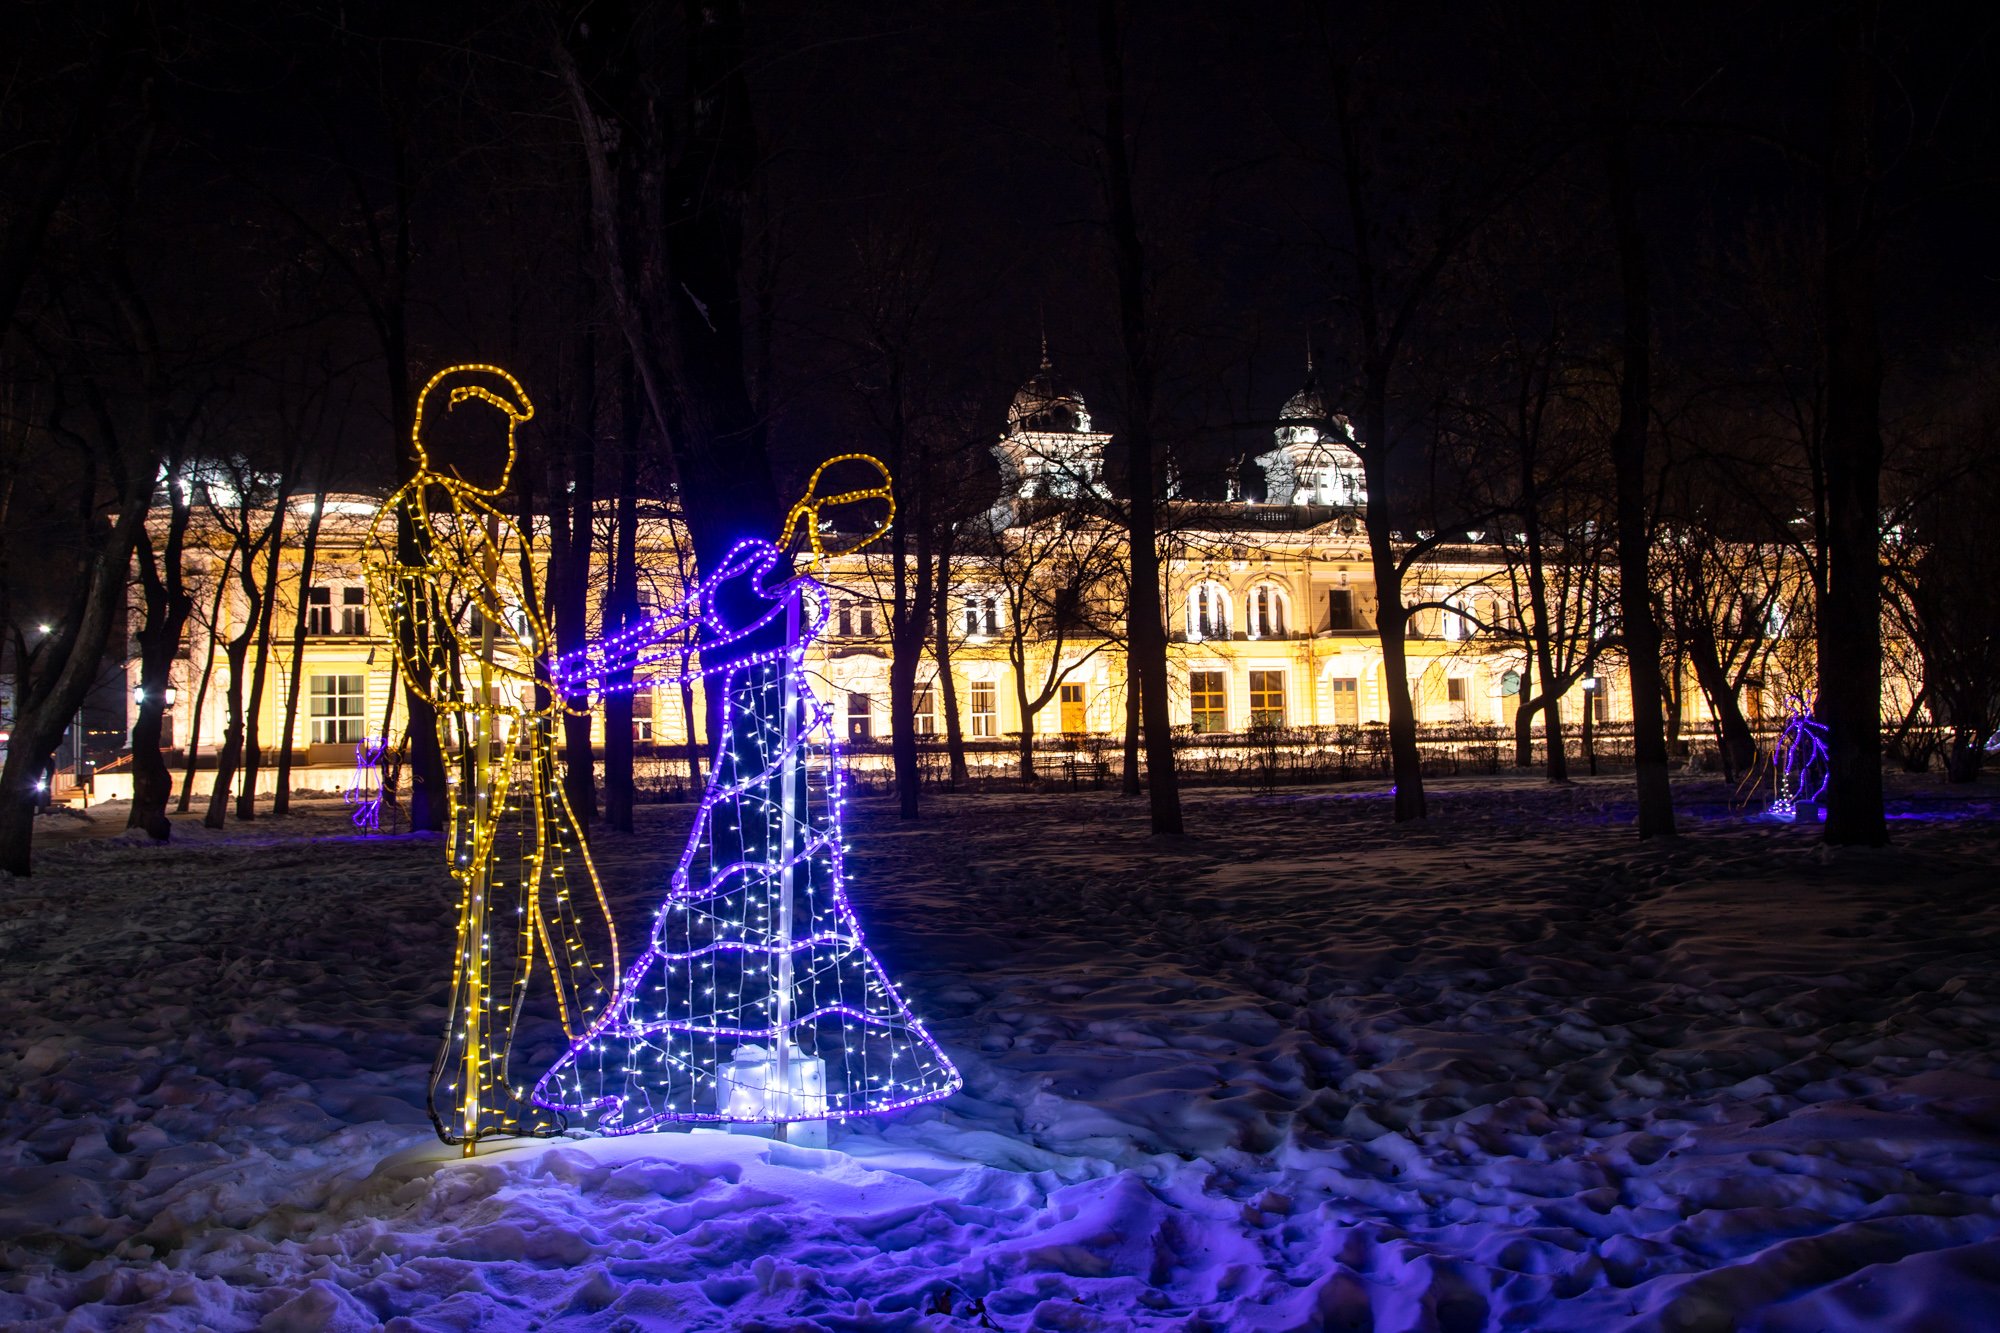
(1313, 460)
(1049, 449)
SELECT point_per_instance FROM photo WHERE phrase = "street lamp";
(1589, 716)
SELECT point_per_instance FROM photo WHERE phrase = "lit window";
(1455, 626)
(985, 710)
(354, 611)
(1267, 612)
(1267, 698)
(1208, 701)
(336, 709)
(924, 712)
(319, 609)
(1208, 612)
(982, 614)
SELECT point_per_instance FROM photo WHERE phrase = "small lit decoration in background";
(1800, 761)
(366, 793)
(468, 639)
(757, 1003)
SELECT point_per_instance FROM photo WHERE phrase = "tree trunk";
(1129, 783)
(1555, 745)
(954, 734)
(237, 650)
(1628, 458)
(1406, 765)
(201, 692)
(1739, 747)
(281, 800)
(1145, 629)
(50, 691)
(1027, 737)
(571, 584)
(246, 799)
(910, 609)
(168, 605)
(1850, 633)
(621, 598)
(1968, 754)
(1524, 717)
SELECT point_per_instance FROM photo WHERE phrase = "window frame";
(1267, 715)
(1204, 596)
(1219, 695)
(1270, 612)
(330, 720)
(985, 722)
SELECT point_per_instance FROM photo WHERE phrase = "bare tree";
(1145, 625)
(1055, 572)
(249, 512)
(59, 629)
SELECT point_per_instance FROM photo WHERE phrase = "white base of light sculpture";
(748, 1094)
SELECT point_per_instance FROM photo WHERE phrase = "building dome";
(1306, 405)
(1046, 405)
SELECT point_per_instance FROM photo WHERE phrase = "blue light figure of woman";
(1800, 759)
(757, 1002)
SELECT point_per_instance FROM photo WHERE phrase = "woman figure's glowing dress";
(444, 568)
(1800, 758)
(757, 1001)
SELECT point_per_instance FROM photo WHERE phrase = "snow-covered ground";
(1300, 1069)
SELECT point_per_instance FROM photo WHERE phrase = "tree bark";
(1524, 717)
(237, 653)
(246, 798)
(1026, 740)
(1145, 627)
(571, 580)
(201, 691)
(1850, 631)
(621, 598)
(1628, 457)
(954, 734)
(1739, 747)
(281, 800)
(1129, 783)
(168, 604)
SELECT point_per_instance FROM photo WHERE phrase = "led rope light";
(757, 1000)
(365, 794)
(467, 640)
(1800, 758)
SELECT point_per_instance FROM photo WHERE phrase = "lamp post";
(1589, 717)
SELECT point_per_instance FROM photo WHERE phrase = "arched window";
(1268, 611)
(1455, 626)
(1207, 612)
(982, 613)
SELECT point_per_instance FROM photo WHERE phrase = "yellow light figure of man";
(452, 574)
